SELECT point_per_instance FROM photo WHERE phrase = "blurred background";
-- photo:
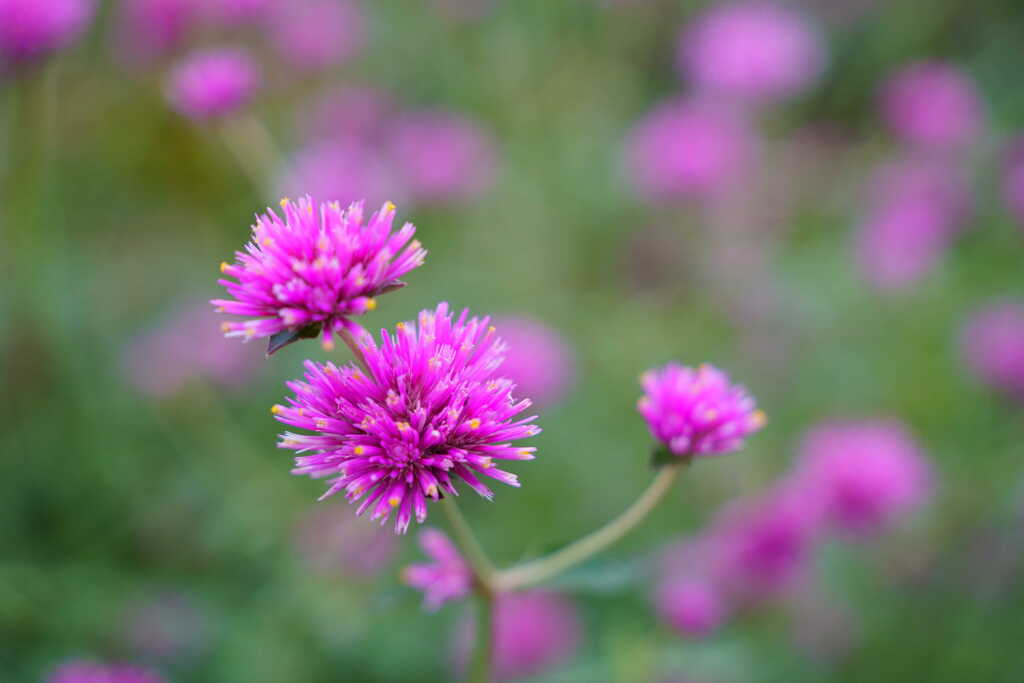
(825, 198)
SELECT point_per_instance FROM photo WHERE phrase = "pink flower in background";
(433, 410)
(534, 631)
(866, 474)
(693, 606)
(752, 51)
(332, 542)
(317, 34)
(686, 149)
(150, 29)
(697, 412)
(167, 626)
(441, 156)
(213, 83)
(538, 359)
(347, 114)
(33, 29)
(342, 170)
(311, 271)
(993, 346)
(184, 347)
(932, 104)
(447, 577)
(914, 211)
(1013, 180)
(86, 671)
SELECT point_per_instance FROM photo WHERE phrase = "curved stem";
(483, 653)
(574, 553)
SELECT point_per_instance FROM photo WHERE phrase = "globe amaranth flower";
(933, 105)
(86, 671)
(993, 346)
(864, 472)
(431, 410)
(310, 271)
(213, 84)
(448, 577)
(32, 29)
(752, 51)
(691, 605)
(697, 411)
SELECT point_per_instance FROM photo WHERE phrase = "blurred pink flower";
(1013, 180)
(866, 473)
(686, 149)
(993, 346)
(752, 51)
(535, 631)
(538, 359)
(914, 211)
(213, 83)
(932, 104)
(87, 671)
(693, 606)
(167, 626)
(32, 29)
(346, 114)
(441, 156)
(317, 34)
(150, 29)
(447, 577)
(333, 541)
(185, 346)
(342, 170)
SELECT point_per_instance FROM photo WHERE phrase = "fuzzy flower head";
(32, 29)
(697, 412)
(932, 105)
(752, 51)
(993, 346)
(448, 577)
(692, 605)
(86, 671)
(213, 84)
(311, 270)
(431, 410)
(865, 473)
(316, 34)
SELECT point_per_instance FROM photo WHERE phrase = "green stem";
(482, 567)
(483, 653)
(536, 571)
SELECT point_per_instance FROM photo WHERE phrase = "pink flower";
(538, 360)
(448, 577)
(332, 542)
(318, 34)
(433, 410)
(86, 671)
(691, 605)
(441, 156)
(697, 412)
(752, 51)
(932, 104)
(993, 346)
(33, 29)
(866, 473)
(534, 632)
(687, 149)
(213, 84)
(311, 271)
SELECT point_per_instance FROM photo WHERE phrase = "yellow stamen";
(284, 202)
(393, 501)
(321, 423)
(474, 423)
(400, 326)
(275, 409)
(487, 463)
(223, 266)
(402, 426)
(758, 419)
(359, 450)
(327, 344)
(432, 491)
(389, 207)
(225, 327)
(371, 304)
(525, 451)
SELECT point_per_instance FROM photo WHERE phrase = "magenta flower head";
(85, 671)
(538, 360)
(150, 29)
(993, 347)
(688, 149)
(448, 577)
(442, 156)
(430, 411)
(697, 412)
(752, 51)
(693, 606)
(932, 105)
(213, 84)
(534, 631)
(865, 473)
(317, 34)
(312, 270)
(33, 29)
(1013, 180)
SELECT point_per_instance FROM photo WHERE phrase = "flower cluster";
(213, 84)
(428, 409)
(310, 271)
